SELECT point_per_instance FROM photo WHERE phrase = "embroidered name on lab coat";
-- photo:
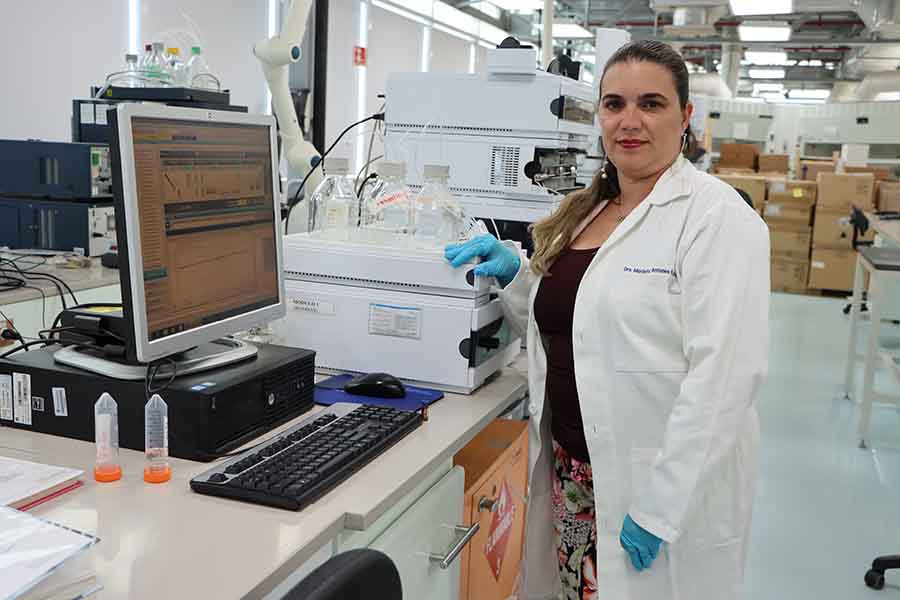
(648, 270)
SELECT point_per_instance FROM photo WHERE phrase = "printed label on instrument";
(312, 305)
(22, 398)
(101, 114)
(6, 398)
(37, 403)
(60, 405)
(87, 113)
(395, 321)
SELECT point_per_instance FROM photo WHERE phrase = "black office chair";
(875, 575)
(353, 575)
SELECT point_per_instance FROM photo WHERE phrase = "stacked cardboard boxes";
(788, 212)
(833, 257)
(887, 194)
(774, 164)
(753, 185)
(810, 169)
(738, 156)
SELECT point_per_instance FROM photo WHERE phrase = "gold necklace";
(621, 217)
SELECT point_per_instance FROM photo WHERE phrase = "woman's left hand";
(641, 545)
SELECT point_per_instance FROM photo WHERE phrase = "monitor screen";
(204, 212)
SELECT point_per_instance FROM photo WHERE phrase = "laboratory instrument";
(303, 463)
(368, 307)
(86, 227)
(54, 170)
(106, 439)
(512, 136)
(156, 440)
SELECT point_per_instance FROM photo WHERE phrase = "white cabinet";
(428, 529)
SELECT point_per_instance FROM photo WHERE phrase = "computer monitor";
(198, 225)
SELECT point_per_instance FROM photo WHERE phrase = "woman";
(646, 310)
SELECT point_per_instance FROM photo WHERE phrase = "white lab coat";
(670, 339)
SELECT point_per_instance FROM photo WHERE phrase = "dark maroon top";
(554, 308)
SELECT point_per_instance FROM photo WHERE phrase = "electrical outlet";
(7, 324)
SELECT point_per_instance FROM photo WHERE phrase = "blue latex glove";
(641, 545)
(498, 260)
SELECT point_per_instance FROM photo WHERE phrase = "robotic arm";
(276, 54)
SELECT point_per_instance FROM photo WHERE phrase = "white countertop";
(164, 541)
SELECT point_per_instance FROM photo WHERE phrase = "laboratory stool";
(881, 264)
(353, 575)
(875, 575)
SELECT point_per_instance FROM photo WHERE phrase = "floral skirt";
(575, 525)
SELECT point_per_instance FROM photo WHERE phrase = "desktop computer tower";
(210, 413)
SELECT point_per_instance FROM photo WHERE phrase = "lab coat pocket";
(647, 331)
(641, 461)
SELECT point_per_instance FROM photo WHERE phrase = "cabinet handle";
(488, 504)
(468, 534)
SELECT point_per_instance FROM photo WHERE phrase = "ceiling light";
(570, 31)
(764, 31)
(761, 7)
(768, 87)
(765, 58)
(766, 73)
(522, 6)
(887, 97)
(809, 94)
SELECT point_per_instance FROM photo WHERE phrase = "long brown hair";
(552, 235)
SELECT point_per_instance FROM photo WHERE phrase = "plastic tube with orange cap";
(106, 439)
(156, 440)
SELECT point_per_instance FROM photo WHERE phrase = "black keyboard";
(301, 464)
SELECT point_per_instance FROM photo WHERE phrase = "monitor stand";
(214, 355)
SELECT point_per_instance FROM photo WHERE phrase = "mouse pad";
(331, 390)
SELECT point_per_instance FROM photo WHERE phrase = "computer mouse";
(376, 385)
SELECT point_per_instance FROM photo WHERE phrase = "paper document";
(23, 482)
(32, 548)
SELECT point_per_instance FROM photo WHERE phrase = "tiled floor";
(825, 508)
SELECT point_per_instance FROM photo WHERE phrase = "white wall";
(227, 32)
(55, 50)
(449, 53)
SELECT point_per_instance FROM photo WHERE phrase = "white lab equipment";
(406, 311)
(438, 216)
(334, 205)
(106, 439)
(276, 54)
(512, 137)
(156, 440)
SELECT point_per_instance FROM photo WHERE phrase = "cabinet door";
(427, 528)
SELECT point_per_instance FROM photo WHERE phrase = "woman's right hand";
(498, 260)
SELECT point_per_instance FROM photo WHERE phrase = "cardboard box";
(774, 163)
(806, 190)
(838, 193)
(733, 171)
(789, 275)
(880, 173)
(831, 269)
(888, 195)
(832, 230)
(790, 242)
(810, 169)
(755, 187)
(741, 156)
(784, 208)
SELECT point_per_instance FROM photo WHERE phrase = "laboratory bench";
(31, 311)
(165, 541)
